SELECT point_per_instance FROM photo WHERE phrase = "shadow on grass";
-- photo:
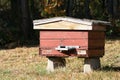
(110, 68)
(112, 38)
(27, 43)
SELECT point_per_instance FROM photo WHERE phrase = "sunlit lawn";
(23, 63)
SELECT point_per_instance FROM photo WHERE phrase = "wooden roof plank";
(67, 23)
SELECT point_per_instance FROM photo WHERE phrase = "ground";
(24, 63)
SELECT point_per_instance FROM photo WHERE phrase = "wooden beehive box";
(63, 36)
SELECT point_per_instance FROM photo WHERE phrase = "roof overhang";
(67, 23)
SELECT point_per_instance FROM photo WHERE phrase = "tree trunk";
(15, 11)
(26, 20)
(109, 6)
(87, 9)
(22, 17)
(69, 7)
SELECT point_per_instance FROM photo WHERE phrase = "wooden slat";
(96, 35)
(55, 43)
(99, 27)
(66, 23)
(88, 53)
(95, 53)
(82, 43)
(63, 34)
(72, 38)
(57, 19)
(71, 34)
(96, 43)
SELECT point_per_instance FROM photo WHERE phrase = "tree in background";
(16, 15)
(5, 20)
(53, 8)
(15, 22)
(26, 20)
(69, 7)
(22, 17)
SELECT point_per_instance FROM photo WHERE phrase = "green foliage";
(96, 9)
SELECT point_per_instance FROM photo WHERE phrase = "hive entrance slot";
(62, 46)
(66, 48)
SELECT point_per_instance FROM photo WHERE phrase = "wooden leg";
(91, 64)
(54, 63)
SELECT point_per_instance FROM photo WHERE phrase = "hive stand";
(55, 63)
(61, 37)
(90, 64)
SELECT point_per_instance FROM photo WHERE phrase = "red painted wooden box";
(62, 37)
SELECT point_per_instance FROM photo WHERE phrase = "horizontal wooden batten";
(83, 43)
(92, 43)
(78, 53)
(55, 43)
(96, 53)
(96, 35)
(71, 34)
(62, 34)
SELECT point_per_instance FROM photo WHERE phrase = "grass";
(24, 63)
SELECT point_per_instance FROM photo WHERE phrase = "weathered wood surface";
(91, 41)
(64, 31)
(77, 53)
(65, 23)
(86, 40)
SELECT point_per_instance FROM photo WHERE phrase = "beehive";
(64, 36)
